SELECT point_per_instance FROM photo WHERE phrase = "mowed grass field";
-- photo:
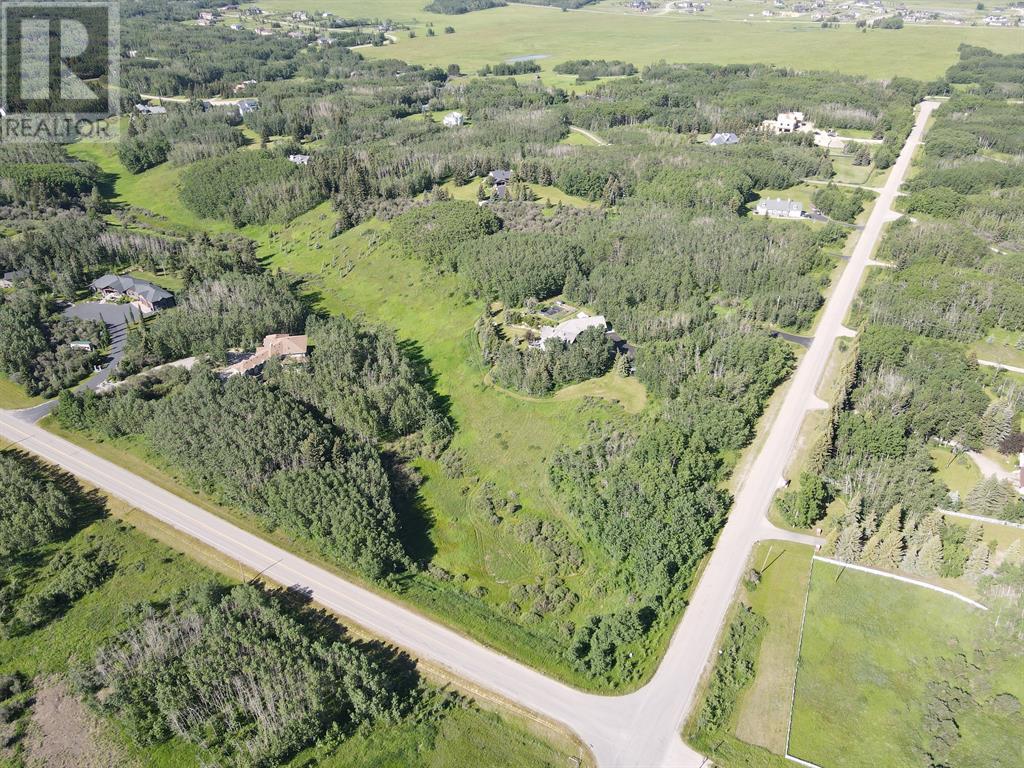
(875, 656)
(608, 31)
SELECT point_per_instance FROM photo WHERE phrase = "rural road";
(1001, 366)
(638, 730)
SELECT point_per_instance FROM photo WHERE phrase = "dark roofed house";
(500, 176)
(14, 276)
(247, 106)
(149, 297)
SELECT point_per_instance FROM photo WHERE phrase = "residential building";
(10, 279)
(147, 109)
(247, 106)
(779, 208)
(143, 293)
(453, 119)
(500, 176)
(787, 122)
(277, 346)
(719, 139)
(569, 331)
(299, 159)
(84, 346)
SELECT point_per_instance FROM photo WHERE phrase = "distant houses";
(147, 296)
(779, 208)
(721, 139)
(453, 119)
(277, 346)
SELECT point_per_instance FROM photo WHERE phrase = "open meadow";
(608, 31)
(884, 669)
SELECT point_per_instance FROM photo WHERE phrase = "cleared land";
(877, 660)
(488, 37)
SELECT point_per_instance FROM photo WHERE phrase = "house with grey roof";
(13, 277)
(779, 209)
(721, 139)
(149, 297)
(567, 332)
(148, 109)
(247, 106)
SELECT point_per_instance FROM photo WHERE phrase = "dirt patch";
(63, 733)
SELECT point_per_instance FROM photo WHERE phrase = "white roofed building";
(567, 332)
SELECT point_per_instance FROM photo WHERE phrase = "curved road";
(638, 730)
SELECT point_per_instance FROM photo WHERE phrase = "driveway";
(116, 317)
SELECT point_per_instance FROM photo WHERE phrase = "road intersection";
(637, 730)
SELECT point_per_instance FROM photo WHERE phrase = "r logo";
(59, 57)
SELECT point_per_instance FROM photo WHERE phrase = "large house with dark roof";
(149, 297)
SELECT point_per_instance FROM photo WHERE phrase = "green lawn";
(1000, 346)
(550, 196)
(875, 657)
(959, 475)
(726, 34)
(13, 396)
(762, 716)
(150, 571)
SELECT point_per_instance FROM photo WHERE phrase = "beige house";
(277, 346)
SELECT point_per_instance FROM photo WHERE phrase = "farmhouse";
(453, 119)
(299, 159)
(567, 332)
(500, 176)
(720, 139)
(147, 296)
(277, 346)
(779, 208)
(147, 109)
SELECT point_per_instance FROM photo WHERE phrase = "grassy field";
(959, 475)
(150, 571)
(1000, 346)
(13, 395)
(876, 655)
(762, 715)
(726, 35)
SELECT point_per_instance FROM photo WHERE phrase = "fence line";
(981, 519)
(798, 761)
(904, 579)
(796, 672)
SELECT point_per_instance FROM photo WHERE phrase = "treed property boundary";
(803, 621)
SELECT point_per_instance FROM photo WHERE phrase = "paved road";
(638, 730)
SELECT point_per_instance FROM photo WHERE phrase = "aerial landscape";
(442, 383)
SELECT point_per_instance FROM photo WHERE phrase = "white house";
(453, 119)
(147, 109)
(720, 139)
(787, 122)
(779, 208)
(299, 159)
(567, 332)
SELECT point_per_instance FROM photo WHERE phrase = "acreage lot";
(500, 34)
(893, 674)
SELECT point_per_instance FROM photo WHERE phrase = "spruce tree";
(929, 559)
(977, 563)
(849, 544)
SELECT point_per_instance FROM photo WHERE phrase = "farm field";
(151, 571)
(876, 669)
(606, 31)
